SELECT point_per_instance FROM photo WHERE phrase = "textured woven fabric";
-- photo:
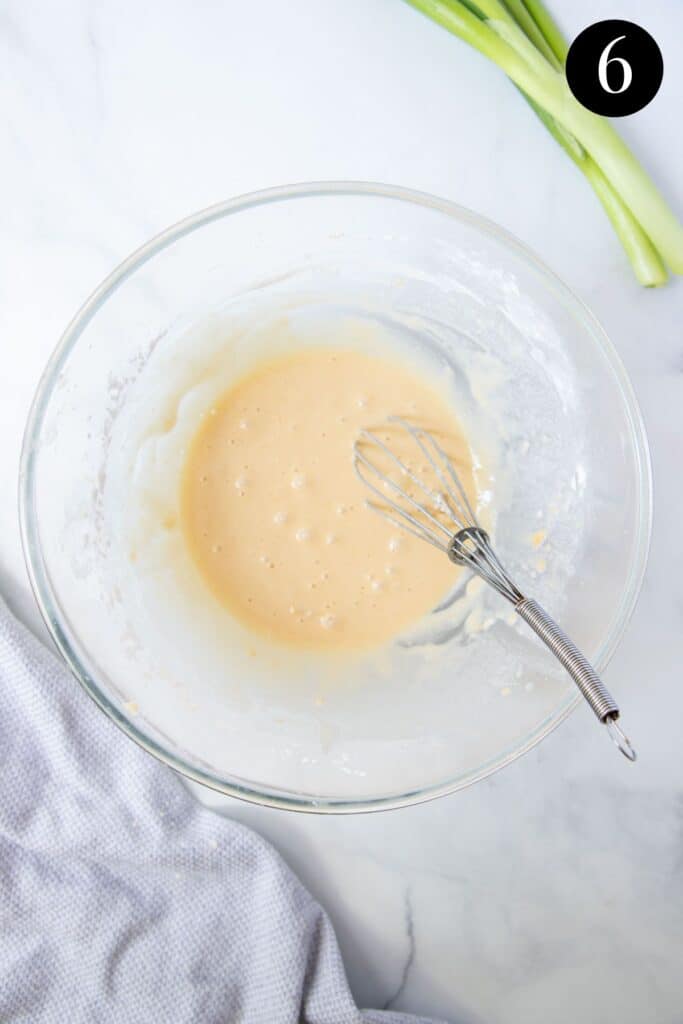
(121, 898)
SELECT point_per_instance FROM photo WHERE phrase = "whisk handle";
(578, 667)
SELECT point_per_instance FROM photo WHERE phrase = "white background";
(553, 891)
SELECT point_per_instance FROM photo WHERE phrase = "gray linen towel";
(122, 899)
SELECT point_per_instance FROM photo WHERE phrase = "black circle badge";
(614, 68)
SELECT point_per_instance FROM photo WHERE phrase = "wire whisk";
(438, 511)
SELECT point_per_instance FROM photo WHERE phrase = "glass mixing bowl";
(537, 381)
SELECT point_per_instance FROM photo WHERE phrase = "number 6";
(605, 59)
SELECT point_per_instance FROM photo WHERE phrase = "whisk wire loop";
(453, 488)
(361, 460)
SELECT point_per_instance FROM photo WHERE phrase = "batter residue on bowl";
(275, 517)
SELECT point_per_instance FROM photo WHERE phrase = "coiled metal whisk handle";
(471, 547)
(579, 668)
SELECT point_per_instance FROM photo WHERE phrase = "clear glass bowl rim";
(67, 641)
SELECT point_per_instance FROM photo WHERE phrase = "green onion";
(645, 260)
(521, 37)
(550, 31)
(518, 10)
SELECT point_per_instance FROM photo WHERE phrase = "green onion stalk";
(521, 37)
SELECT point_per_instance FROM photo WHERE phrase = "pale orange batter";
(275, 516)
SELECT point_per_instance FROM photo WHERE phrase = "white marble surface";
(553, 891)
